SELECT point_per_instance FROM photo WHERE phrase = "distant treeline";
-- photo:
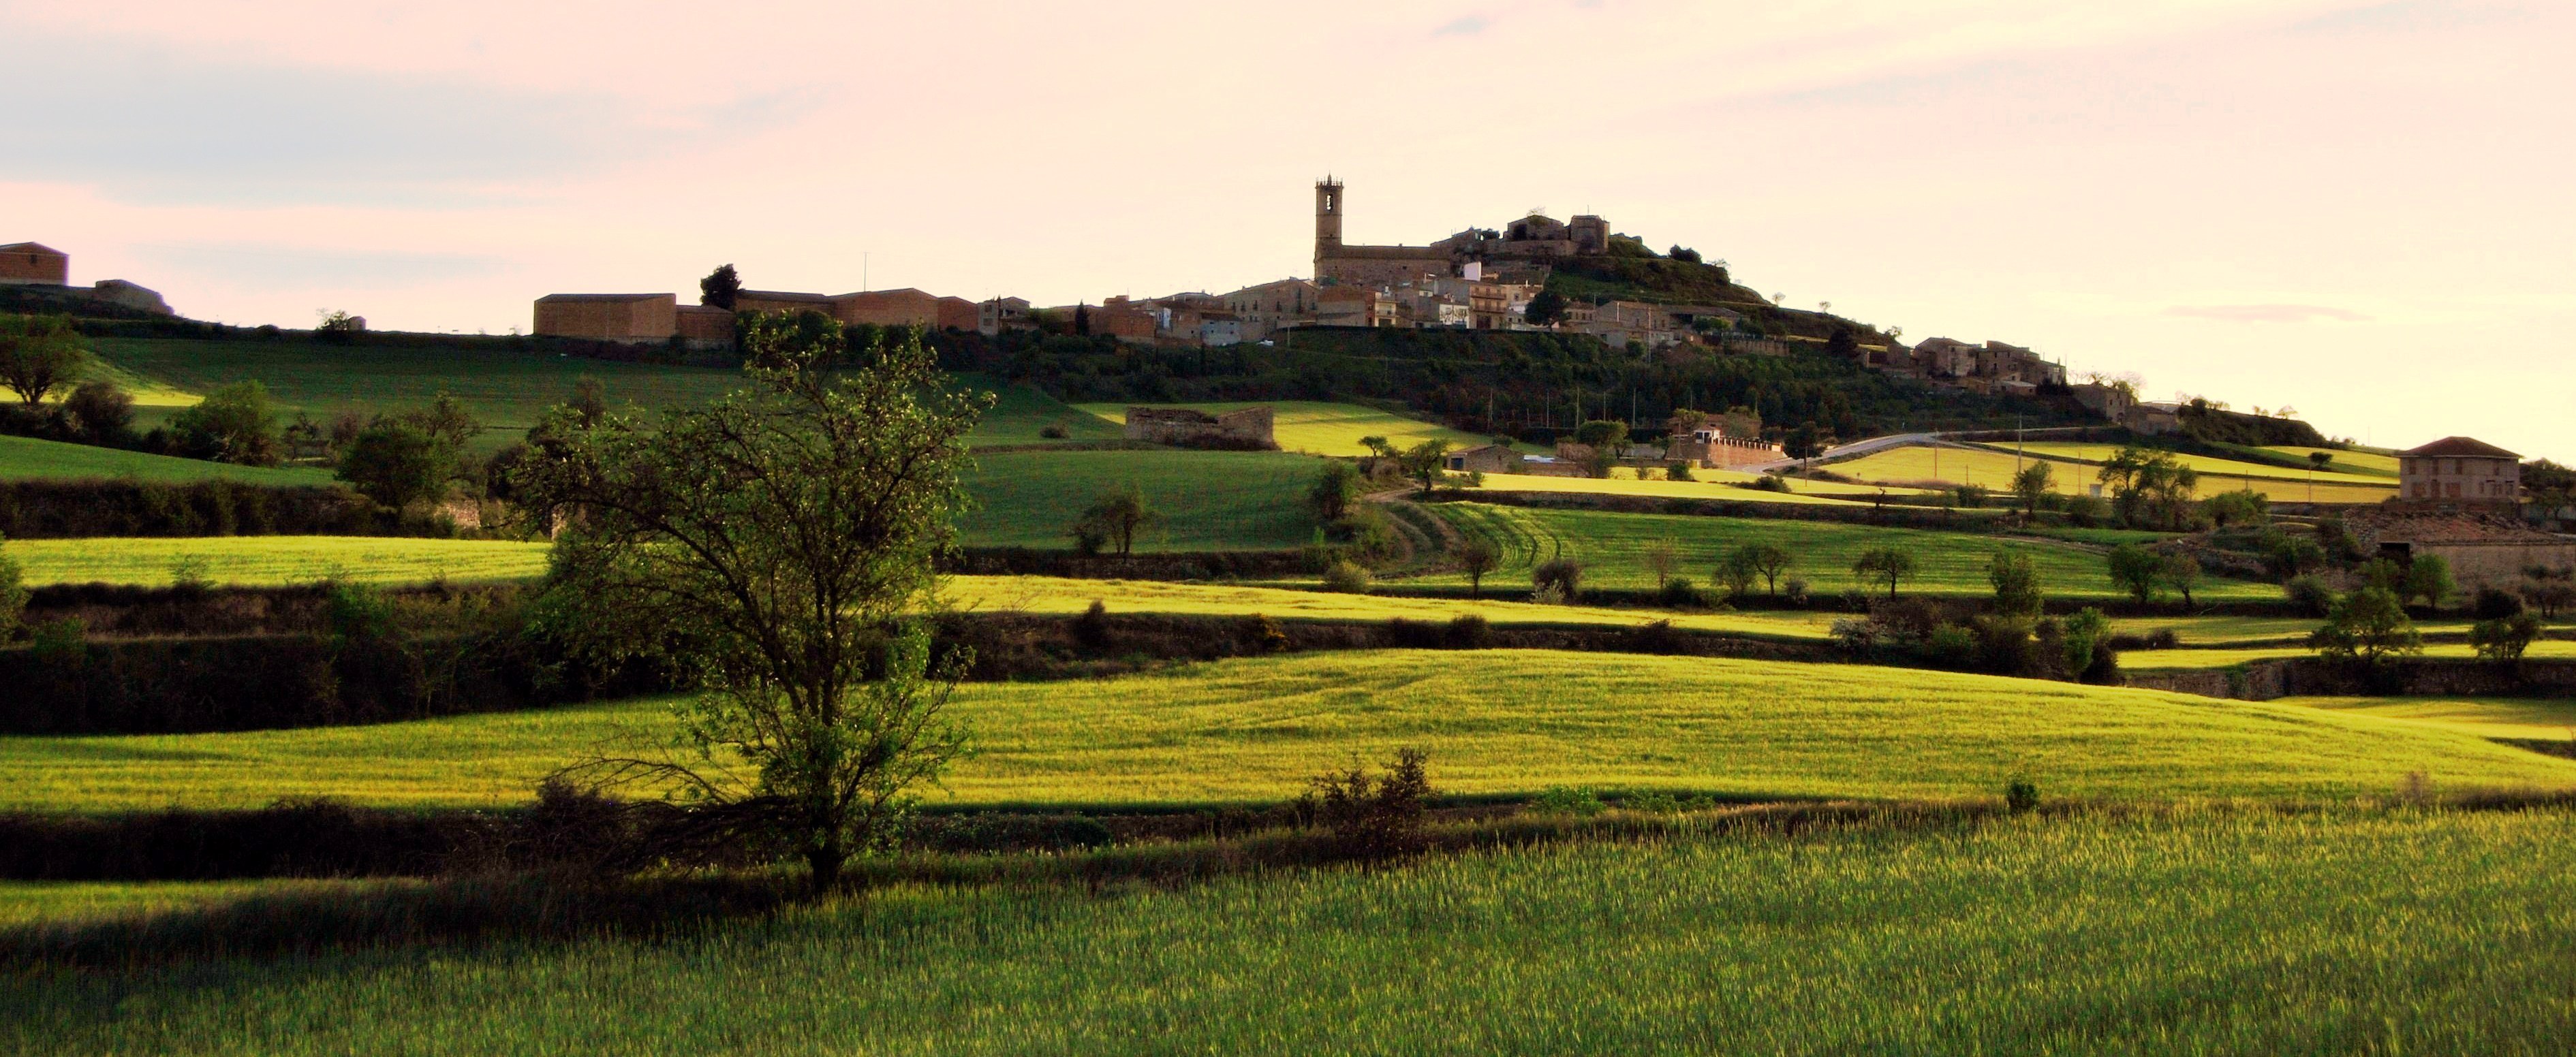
(82, 508)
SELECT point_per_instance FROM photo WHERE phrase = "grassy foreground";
(1495, 722)
(2203, 932)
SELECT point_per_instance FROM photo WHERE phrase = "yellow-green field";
(2152, 660)
(2534, 720)
(1043, 594)
(29, 459)
(2346, 460)
(1319, 428)
(1995, 470)
(268, 561)
(1497, 722)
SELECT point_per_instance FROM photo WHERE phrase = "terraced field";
(1995, 470)
(269, 561)
(1042, 594)
(1316, 427)
(2209, 465)
(1612, 546)
(1209, 500)
(29, 459)
(1499, 722)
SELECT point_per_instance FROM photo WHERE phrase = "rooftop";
(2460, 447)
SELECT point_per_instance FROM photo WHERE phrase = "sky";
(2359, 210)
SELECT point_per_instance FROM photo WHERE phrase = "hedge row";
(74, 509)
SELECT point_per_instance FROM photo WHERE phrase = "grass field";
(2213, 931)
(2151, 660)
(2536, 720)
(1211, 500)
(1711, 484)
(29, 459)
(1951, 563)
(1496, 722)
(1314, 427)
(1042, 594)
(1995, 470)
(267, 561)
(2346, 460)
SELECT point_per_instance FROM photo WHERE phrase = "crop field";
(1995, 470)
(1042, 594)
(1712, 484)
(268, 561)
(29, 459)
(1315, 427)
(2207, 465)
(1612, 546)
(1493, 722)
(2347, 460)
(2208, 931)
(2151, 660)
(1021, 413)
(1210, 500)
(2539, 719)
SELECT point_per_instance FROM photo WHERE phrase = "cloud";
(1464, 26)
(2267, 313)
(145, 123)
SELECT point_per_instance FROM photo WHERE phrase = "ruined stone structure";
(1524, 247)
(1485, 458)
(1707, 447)
(2491, 549)
(1247, 429)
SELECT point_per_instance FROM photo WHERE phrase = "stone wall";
(2318, 677)
(1248, 428)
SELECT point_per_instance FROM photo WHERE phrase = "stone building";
(1524, 248)
(29, 262)
(904, 308)
(1272, 306)
(1000, 314)
(1484, 458)
(612, 317)
(1706, 446)
(2458, 472)
(1245, 429)
(2488, 550)
(130, 295)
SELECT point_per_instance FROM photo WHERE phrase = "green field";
(2178, 660)
(2213, 931)
(1041, 594)
(1611, 545)
(1315, 427)
(1494, 722)
(2535, 720)
(1995, 469)
(1210, 500)
(268, 561)
(2347, 460)
(1711, 484)
(29, 459)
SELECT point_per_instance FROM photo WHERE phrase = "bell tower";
(1328, 220)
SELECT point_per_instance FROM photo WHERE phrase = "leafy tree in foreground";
(2016, 583)
(776, 544)
(2367, 625)
(38, 354)
(1884, 565)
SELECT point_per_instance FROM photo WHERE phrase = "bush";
(2021, 795)
(2309, 593)
(1091, 629)
(1564, 575)
(1467, 631)
(1348, 578)
(2086, 642)
(2495, 603)
(1373, 817)
(1951, 646)
(1795, 590)
(1568, 800)
(2084, 510)
(1680, 471)
(2504, 639)
(1054, 432)
(1679, 593)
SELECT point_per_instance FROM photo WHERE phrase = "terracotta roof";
(2460, 447)
(603, 297)
(32, 247)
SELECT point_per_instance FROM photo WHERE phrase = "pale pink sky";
(2358, 208)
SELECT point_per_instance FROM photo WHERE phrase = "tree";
(236, 423)
(446, 421)
(1737, 572)
(721, 288)
(339, 327)
(2182, 573)
(13, 595)
(1887, 565)
(1476, 557)
(2087, 644)
(1772, 561)
(396, 464)
(2033, 485)
(2016, 582)
(1117, 516)
(38, 354)
(101, 411)
(2367, 625)
(589, 401)
(1804, 442)
(1336, 487)
(777, 545)
(2504, 639)
(1545, 309)
(1423, 462)
(1082, 320)
(2136, 570)
(1681, 253)
(1663, 557)
(2427, 577)
(1843, 343)
(2245, 506)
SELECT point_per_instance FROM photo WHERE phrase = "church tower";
(1328, 220)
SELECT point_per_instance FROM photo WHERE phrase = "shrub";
(2309, 593)
(2005, 645)
(1680, 471)
(2087, 645)
(1054, 432)
(1261, 634)
(2016, 583)
(1795, 590)
(2084, 510)
(1679, 593)
(2021, 795)
(1660, 637)
(1568, 800)
(1091, 629)
(1373, 817)
(2504, 639)
(1769, 482)
(1951, 646)
(2495, 603)
(2368, 626)
(2136, 570)
(13, 595)
(1564, 575)
(1467, 631)
(102, 412)
(1348, 578)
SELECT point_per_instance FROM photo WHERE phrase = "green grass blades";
(29, 459)
(2200, 932)
(1949, 563)
(269, 561)
(1494, 722)
(1209, 500)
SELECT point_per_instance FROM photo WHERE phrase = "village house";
(29, 262)
(1001, 313)
(2460, 473)
(1485, 458)
(1273, 306)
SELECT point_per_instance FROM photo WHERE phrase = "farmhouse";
(1484, 458)
(29, 262)
(1246, 429)
(2459, 473)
